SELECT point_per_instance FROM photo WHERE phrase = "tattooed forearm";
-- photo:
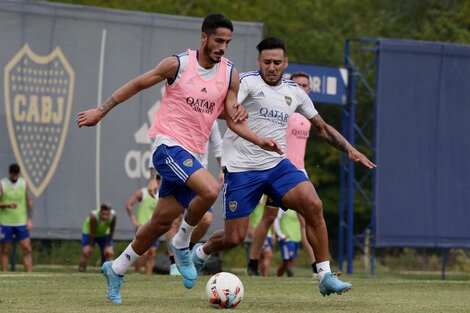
(107, 105)
(329, 134)
(335, 139)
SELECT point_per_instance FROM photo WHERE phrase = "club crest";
(288, 100)
(188, 162)
(38, 103)
(232, 205)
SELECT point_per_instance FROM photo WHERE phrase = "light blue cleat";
(331, 284)
(198, 262)
(114, 282)
(185, 265)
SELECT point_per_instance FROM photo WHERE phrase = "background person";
(287, 229)
(98, 228)
(146, 205)
(16, 217)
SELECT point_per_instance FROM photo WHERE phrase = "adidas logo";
(204, 90)
(260, 94)
(183, 229)
(128, 257)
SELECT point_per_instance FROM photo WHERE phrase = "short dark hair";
(214, 21)
(14, 169)
(105, 207)
(271, 43)
(299, 74)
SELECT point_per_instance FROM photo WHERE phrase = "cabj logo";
(38, 102)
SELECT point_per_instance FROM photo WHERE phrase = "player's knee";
(211, 193)
(4, 250)
(315, 205)
(27, 250)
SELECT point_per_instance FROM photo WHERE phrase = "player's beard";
(276, 83)
(208, 52)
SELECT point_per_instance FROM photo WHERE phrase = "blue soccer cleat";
(198, 262)
(331, 284)
(185, 265)
(114, 282)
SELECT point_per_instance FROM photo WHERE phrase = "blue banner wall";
(57, 60)
(423, 144)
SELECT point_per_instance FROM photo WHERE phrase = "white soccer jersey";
(216, 141)
(269, 108)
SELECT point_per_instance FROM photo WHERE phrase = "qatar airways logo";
(300, 133)
(201, 105)
(274, 116)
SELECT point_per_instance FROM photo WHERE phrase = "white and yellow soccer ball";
(224, 290)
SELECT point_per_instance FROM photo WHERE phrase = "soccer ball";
(224, 290)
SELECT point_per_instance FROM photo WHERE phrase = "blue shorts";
(101, 241)
(242, 190)
(7, 233)
(288, 249)
(268, 242)
(175, 165)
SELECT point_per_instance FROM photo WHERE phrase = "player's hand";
(270, 144)
(152, 187)
(240, 114)
(89, 118)
(221, 178)
(29, 225)
(356, 156)
(87, 250)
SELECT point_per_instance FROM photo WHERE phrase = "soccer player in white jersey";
(181, 129)
(298, 130)
(270, 100)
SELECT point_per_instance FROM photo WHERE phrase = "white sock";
(201, 254)
(323, 268)
(124, 261)
(182, 237)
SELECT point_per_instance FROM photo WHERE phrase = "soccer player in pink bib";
(200, 86)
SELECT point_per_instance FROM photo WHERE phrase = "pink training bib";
(298, 131)
(191, 105)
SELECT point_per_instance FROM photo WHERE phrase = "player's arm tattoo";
(106, 106)
(329, 134)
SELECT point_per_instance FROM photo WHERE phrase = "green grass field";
(64, 290)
